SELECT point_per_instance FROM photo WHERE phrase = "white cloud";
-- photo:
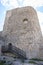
(33, 3)
(40, 16)
(14, 3)
(2, 18)
(9, 3)
(4, 2)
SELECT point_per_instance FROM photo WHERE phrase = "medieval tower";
(22, 30)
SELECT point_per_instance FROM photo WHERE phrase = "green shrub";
(36, 59)
(22, 60)
(3, 63)
(32, 62)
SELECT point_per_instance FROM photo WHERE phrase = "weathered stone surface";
(22, 30)
(1, 41)
(12, 61)
(13, 50)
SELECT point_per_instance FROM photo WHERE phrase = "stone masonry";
(22, 29)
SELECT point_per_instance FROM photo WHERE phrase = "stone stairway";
(13, 50)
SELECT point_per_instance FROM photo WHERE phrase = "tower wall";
(23, 30)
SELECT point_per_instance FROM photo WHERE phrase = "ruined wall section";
(14, 23)
(22, 29)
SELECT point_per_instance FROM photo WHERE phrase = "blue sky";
(10, 4)
(2, 16)
(40, 9)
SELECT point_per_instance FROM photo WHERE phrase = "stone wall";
(23, 30)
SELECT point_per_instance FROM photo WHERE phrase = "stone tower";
(22, 30)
